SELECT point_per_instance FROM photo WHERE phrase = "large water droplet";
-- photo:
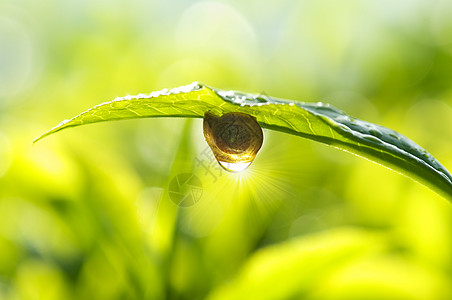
(234, 167)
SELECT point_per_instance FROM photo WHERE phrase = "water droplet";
(235, 138)
(234, 167)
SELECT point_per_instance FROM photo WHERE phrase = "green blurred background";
(85, 214)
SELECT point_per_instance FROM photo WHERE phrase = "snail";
(235, 138)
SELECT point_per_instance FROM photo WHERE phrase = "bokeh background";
(85, 214)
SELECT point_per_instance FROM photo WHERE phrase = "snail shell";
(234, 137)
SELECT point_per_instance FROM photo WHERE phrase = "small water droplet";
(234, 167)
(261, 99)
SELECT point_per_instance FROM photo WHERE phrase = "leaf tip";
(50, 131)
(40, 137)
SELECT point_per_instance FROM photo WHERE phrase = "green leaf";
(298, 267)
(343, 263)
(315, 121)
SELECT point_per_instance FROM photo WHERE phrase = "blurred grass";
(85, 214)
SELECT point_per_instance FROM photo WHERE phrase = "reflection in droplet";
(234, 167)
(235, 138)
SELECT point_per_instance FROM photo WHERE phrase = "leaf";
(343, 263)
(296, 268)
(316, 121)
